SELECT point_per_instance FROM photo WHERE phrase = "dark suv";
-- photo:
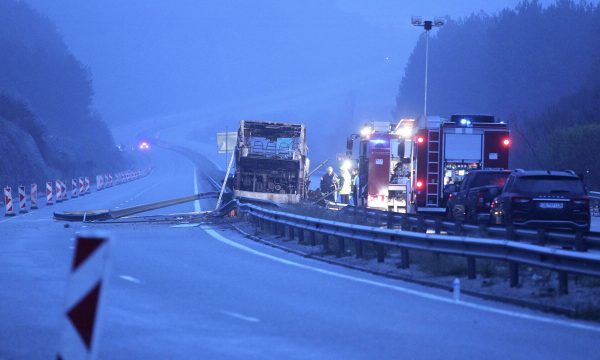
(543, 199)
(472, 200)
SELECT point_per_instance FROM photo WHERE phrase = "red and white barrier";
(22, 199)
(63, 191)
(87, 184)
(106, 183)
(81, 187)
(58, 191)
(49, 193)
(34, 196)
(8, 201)
(85, 289)
(110, 180)
(73, 188)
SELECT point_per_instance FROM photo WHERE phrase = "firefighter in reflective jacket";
(346, 185)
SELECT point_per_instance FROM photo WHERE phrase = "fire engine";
(405, 166)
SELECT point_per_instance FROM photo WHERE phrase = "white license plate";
(551, 205)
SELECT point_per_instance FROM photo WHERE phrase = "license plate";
(551, 205)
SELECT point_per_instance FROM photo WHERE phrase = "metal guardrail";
(422, 223)
(514, 252)
(594, 202)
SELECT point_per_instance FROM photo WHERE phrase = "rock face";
(20, 159)
(48, 127)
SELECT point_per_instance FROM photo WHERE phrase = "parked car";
(543, 199)
(472, 200)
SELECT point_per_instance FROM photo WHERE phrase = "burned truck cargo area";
(271, 161)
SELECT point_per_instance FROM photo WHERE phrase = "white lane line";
(240, 316)
(425, 295)
(197, 202)
(130, 279)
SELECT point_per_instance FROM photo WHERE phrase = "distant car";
(472, 200)
(543, 199)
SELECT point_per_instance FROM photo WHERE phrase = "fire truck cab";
(405, 166)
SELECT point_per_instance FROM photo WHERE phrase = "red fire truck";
(405, 166)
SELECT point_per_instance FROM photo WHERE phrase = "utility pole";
(427, 25)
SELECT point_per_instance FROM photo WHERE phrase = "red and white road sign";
(58, 191)
(22, 199)
(86, 285)
(49, 193)
(34, 196)
(81, 186)
(87, 184)
(10, 211)
(63, 191)
(73, 188)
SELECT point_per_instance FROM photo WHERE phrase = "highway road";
(208, 292)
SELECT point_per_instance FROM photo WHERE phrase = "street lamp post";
(427, 25)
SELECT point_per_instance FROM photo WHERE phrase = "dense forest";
(538, 67)
(48, 126)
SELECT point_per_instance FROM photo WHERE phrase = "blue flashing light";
(377, 141)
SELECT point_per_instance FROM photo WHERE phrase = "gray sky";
(290, 60)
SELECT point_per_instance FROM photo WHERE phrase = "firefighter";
(355, 187)
(329, 184)
(346, 185)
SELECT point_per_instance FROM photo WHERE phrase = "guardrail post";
(510, 232)
(421, 227)
(458, 228)
(358, 248)
(341, 247)
(471, 267)
(300, 236)
(380, 252)
(563, 283)
(325, 240)
(313, 238)
(404, 260)
(580, 244)
(404, 225)
(438, 225)
(390, 220)
(514, 274)
(290, 233)
(541, 237)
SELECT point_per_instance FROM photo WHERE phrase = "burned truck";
(271, 162)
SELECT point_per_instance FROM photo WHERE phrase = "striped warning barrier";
(22, 199)
(81, 187)
(49, 193)
(87, 184)
(73, 188)
(87, 280)
(99, 182)
(110, 180)
(34, 196)
(8, 201)
(63, 190)
(58, 191)
(106, 183)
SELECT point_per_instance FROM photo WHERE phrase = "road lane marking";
(130, 279)
(196, 202)
(184, 225)
(240, 316)
(425, 295)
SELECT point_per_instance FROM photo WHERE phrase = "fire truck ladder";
(433, 161)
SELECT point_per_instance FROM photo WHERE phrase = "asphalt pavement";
(208, 292)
